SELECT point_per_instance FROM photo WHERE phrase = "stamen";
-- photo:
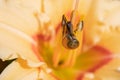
(72, 53)
(75, 6)
(71, 58)
(42, 6)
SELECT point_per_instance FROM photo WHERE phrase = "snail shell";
(70, 42)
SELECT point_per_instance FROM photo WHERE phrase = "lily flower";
(31, 40)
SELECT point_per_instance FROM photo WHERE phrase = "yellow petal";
(14, 42)
(110, 71)
(20, 15)
(102, 15)
(20, 70)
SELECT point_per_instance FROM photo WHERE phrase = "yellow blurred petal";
(109, 71)
(20, 15)
(83, 8)
(20, 70)
(14, 42)
(112, 43)
(102, 17)
(15, 72)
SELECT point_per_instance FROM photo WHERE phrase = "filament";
(75, 6)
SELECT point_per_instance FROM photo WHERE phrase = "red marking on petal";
(68, 15)
(104, 61)
(80, 76)
(55, 77)
(35, 50)
(106, 56)
(35, 37)
(58, 28)
(44, 37)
